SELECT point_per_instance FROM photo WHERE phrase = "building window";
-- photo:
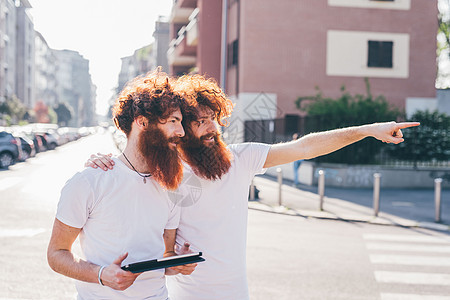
(233, 53)
(380, 54)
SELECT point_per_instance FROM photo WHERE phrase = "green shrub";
(348, 110)
(428, 142)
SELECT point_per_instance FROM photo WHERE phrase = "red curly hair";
(201, 91)
(150, 95)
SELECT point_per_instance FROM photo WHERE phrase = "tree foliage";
(64, 113)
(444, 24)
(13, 110)
(41, 112)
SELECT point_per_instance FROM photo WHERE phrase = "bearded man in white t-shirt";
(214, 192)
(125, 216)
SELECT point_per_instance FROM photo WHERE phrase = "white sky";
(101, 31)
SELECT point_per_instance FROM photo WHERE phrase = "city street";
(288, 257)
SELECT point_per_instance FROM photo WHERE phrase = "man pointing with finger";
(217, 222)
(214, 197)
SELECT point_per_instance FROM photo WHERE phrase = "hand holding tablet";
(165, 262)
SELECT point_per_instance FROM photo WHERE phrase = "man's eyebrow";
(206, 116)
(175, 117)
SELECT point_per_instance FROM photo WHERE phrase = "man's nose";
(179, 131)
(212, 127)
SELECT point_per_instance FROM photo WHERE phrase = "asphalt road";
(288, 257)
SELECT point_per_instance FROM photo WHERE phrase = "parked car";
(28, 149)
(41, 137)
(37, 142)
(10, 149)
(52, 140)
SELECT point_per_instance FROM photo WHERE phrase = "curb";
(326, 215)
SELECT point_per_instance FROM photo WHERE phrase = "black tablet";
(165, 262)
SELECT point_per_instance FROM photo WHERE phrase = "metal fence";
(367, 151)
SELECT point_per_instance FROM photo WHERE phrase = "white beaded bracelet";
(100, 274)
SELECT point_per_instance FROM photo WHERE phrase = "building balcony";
(180, 53)
(180, 14)
(192, 29)
(185, 3)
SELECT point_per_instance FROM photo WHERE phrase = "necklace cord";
(143, 176)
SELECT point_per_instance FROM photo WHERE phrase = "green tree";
(325, 113)
(13, 110)
(53, 117)
(443, 44)
(444, 25)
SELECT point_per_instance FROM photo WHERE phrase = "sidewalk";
(408, 208)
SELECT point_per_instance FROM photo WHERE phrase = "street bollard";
(437, 199)
(252, 191)
(376, 193)
(321, 188)
(280, 183)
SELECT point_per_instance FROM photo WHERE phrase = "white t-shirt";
(118, 213)
(214, 221)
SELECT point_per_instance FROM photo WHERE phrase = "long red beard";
(163, 162)
(209, 162)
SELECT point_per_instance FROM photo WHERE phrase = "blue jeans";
(297, 164)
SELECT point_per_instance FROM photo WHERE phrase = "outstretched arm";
(321, 143)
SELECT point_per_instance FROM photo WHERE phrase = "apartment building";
(142, 61)
(196, 37)
(45, 65)
(8, 34)
(148, 57)
(161, 43)
(24, 54)
(74, 86)
(268, 53)
(16, 51)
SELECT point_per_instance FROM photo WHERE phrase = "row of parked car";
(18, 143)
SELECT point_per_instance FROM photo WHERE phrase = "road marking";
(403, 204)
(27, 232)
(408, 247)
(410, 260)
(9, 182)
(412, 278)
(407, 238)
(387, 296)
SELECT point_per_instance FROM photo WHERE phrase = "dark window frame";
(233, 53)
(380, 54)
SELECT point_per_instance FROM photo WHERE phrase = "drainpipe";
(239, 44)
(223, 54)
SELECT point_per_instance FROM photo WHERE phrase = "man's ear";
(141, 122)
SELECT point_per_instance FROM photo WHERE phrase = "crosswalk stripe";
(411, 260)
(27, 232)
(412, 278)
(388, 296)
(407, 238)
(408, 247)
